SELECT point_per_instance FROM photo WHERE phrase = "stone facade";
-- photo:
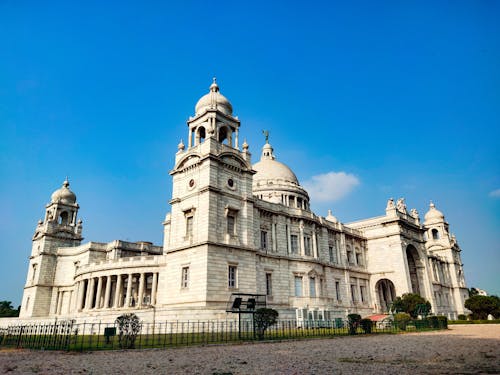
(235, 227)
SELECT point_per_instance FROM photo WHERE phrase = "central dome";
(213, 100)
(269, 169)
(275, 182)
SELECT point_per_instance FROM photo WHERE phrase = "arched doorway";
(386, 294)
(413, 258)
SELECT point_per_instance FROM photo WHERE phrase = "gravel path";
(463, 349)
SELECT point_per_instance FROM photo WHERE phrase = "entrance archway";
(413, 258)
(386, 294)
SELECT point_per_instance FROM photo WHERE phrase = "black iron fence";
(71, 336)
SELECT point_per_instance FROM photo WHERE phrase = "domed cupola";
(214, 100)
(275, 182)
(433, 216)
(64, 194)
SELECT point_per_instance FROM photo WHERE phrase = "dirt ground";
(463, 349)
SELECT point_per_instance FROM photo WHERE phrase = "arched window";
(225, 135)
(63, 218)
(200, 135)
(435, 234)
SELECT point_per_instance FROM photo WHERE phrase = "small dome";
(64, 194)
(433, 215)
(214, 100)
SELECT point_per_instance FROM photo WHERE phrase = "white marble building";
(238, 227)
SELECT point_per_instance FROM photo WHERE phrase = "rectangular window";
(185, 277)
(349, 256)
(307, 245)
(337, 290)
(263, 239)
(231, 276)
(333, 254)
(269, 284)
(312, 287)
(34, 272)
(298, 286)
(294, 243)
(353, 292)
(189, 226)
(362, 289)
(359, 259)
(230, 224)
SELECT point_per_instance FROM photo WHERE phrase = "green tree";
(481, 306)
(473, 292)
(7, 310)
(263, 319)
(412, 304)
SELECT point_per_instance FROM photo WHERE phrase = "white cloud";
(495, 193)
(330, 186)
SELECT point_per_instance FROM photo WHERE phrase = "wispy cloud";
(331, 186)
(495, 193)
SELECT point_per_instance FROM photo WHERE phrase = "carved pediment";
(233, 160)
(188, 161)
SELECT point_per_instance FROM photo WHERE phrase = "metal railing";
(70, 336)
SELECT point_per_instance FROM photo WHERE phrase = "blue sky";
(372, 99)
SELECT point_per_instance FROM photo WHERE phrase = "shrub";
(412, 304)
(263, 319)
(353, 321)
(442, 321)
(462, 317)
(366, 325)
(129, 327)
(433, 321)
(401, 320)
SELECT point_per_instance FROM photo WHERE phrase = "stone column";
(301, 239)
(288, 236)
(118, 291)
(98, 293)
(273, 234)
(90, 293)
(107, 293)
(236, 140)
(81, 295)
(140, 297)
(59, 302)
(154, 286)
(314, 242)
(190, 139)
(129, 290)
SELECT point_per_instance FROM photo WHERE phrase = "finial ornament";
(266, 134)
(214, 87)
(66, 182)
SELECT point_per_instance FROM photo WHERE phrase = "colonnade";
(116, 291)
(293, 201)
